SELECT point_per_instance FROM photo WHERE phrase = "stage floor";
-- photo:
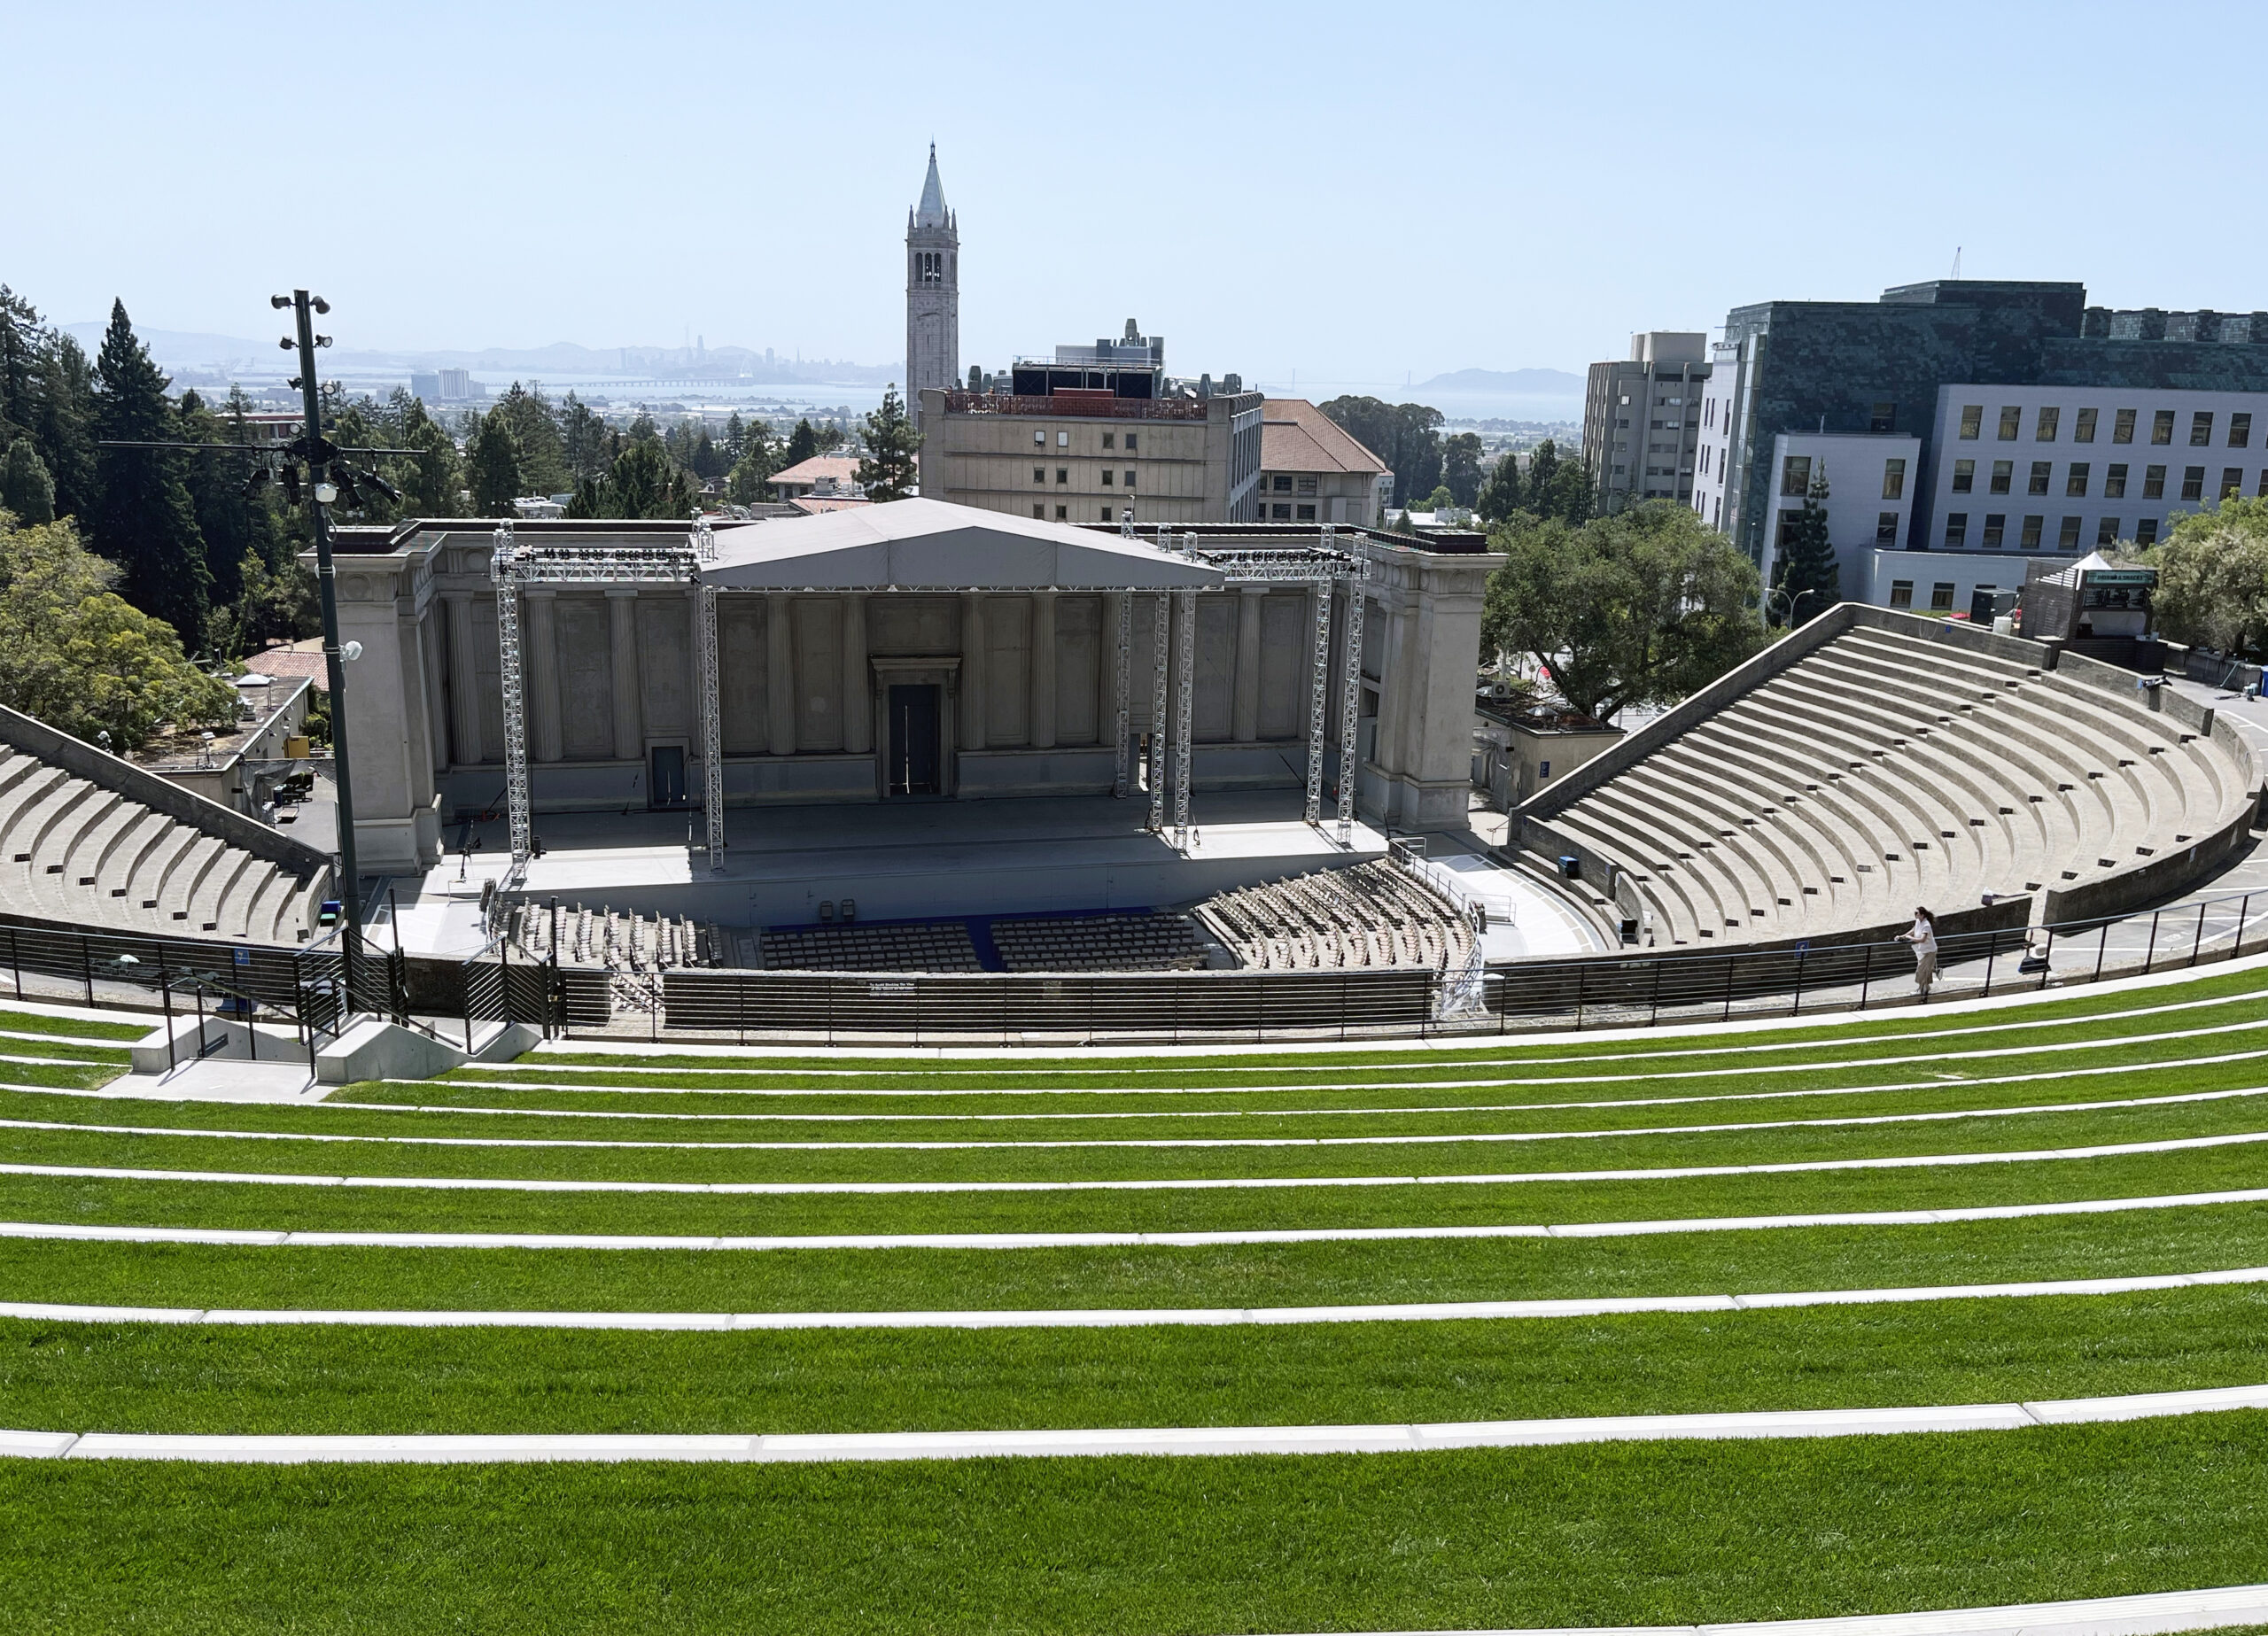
(910, 860)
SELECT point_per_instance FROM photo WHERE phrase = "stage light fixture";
(319, 304)
(279, 302)
(260, 476)
(286, 344)
(291, 485)
(371, 479)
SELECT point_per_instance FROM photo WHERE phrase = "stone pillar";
(417, 709)
(779, 673)
(542, 673)
(972, 669)
(1043, 670)
(622, 646)
(1244, 715)
(464, 682)
(858, 686)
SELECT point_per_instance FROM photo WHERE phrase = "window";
(1956, 529)
(1106, 437)
(2106, 532)
(2240, 431)
(1886, 528)
(1130, 445)
(1972, 421)
(2083, 428)
(2262, 490)
(1105, 518)
(1283, 484)
(1040, 439)
(2067, 538)
(1307, 514)
(1062, 474)
(1283, 512)
(1307, 485)
(2033, 529)
(1901, 593)
(2044, 425)
(2193, 482)
(1129, 476)
(2200, 429)
(1893, 479)
(1883, 417)
(2232, 481)
(1788, 528)
(1964, 476)
(2075, 481)
(2146, 532)
(2162, 426)
(1062, 513)
(1039, 474)
(2011, 423)
(1062, 439)
(2040, 472)
(1996, 530)
(1941, 598)
(1795, 475)
(1039, 512)
(1625, 399)
(2122, 429)
(1106, 477)
(2153, 483)
(2004, 473)
(2114, 482)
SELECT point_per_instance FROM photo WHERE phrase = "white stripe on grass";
(445, 1448)
(1116, 1317)
(2113, 1150)
(274, 1237)
(1417, 1139)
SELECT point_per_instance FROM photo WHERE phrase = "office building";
(1313, 470)
(1639, 425)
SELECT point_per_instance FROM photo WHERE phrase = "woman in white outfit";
(1923, 937)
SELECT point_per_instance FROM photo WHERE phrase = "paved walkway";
(438, 1449)
(107, 1234)
(1116, 1317)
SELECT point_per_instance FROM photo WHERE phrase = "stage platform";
(902, 861)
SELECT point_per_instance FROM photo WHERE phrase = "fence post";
(2101, 943)
(1581, 973)
(2243, 910)
(2151, 952)
(1727, 1015)
(2046, 958)
(16, 960)
(1796, 1009)
(166, 983)
(2197, 946)
(1866, 975)
(1654, 1001)
(87, 971)
(1992, 953)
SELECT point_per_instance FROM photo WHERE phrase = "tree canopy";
(1461, 467)
(1407, 437)
(493, 467)
(1805, 579)
(889, 469)
(2212, 587)
(145, 520)
(80, 658)
(1642, 608)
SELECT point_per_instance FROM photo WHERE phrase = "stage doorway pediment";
(931, 545)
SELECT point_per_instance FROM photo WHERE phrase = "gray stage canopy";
(929, 545)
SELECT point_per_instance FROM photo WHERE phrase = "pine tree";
(803, 443)
(1806, 580)
(582, 438)
(646, 482)
(759, 459)
(25, 489)
(144, 520)
(492, 468)
(735, 439)
(535, 434)
(891, 469)
(430, 482)
(21, 337)
(1501, 495)
(63, 424)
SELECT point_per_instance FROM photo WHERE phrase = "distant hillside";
(1542, 383)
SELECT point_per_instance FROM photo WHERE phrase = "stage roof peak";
(932, 544)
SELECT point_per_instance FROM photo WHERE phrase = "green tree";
(535, 434)
(1405, 436)
(803, 443)
(431, 480)
(25, 487)
(2212, 589)
(891, 468)
(231, 522)
(22, 336)
(1502, 494)
(759, 459)
(1439, 500)
(144, 520)
(64, 425)
(80, 658)
(492, 468)
(582, 438)
(1642, 608)
(646, 482)
(1806, 581)
(1461, 466)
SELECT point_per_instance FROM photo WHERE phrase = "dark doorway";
(916, 764)
(668, 782)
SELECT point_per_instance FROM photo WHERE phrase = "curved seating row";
(1880, 771)
(1371, 917)
(1109, 942)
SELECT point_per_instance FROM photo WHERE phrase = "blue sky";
(1358, 193)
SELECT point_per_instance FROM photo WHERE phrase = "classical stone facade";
(812, 681)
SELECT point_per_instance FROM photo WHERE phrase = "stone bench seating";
(1882, 770)
(1372, 916)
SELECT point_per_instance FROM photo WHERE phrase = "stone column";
(542, 673)
(779, 673)
(464, 682)
(417, 711)
(972, 669)
(622, 648)
(1043, 670)
(1245, 716)
(858, 686)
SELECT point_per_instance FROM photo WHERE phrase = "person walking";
(1924, 935)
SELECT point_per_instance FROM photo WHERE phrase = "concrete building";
(932, 292)
(445, 386)
(834, 475)
(1006, 654)
(1639, 420)
(1311, 470)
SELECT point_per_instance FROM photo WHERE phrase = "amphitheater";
(664, 1261)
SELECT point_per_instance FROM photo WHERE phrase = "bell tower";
(932, 293)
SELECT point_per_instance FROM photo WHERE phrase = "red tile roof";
(1295, 435)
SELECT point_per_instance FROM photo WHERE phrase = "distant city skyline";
(515, 177)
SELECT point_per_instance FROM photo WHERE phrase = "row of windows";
(1063, 514)
(1063, 474)
(1795, 475)
(1283, 481)
(1901, 596)
(1886, 526)
(2080, 473)
(1063, 440)
(2047, 421)
(2033, 529)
